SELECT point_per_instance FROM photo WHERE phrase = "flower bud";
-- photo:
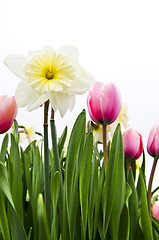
(8, 112)
(155, 210)
(153, 142)
(104, 103)
(133, 145)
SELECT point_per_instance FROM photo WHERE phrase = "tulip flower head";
(153, 142)
(49, 75)
(104, 103)
(133, 145)
(155, 210)
(8, 112)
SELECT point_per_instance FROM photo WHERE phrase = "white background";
(118, 41)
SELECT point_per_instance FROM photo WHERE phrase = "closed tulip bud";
(104, 103)
(155, 210)
(133, 145)
(153, 142)
(8, 112)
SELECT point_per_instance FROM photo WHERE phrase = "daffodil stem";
(46, 162)
(52, 114)
(150, 186)
(105, 151)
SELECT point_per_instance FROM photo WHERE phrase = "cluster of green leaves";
(86, 202)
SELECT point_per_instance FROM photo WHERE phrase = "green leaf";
(93, 191)
(3, 219)
(72, 157)
(119, 189)
(15, 130)
(98, 200)
(133, 206)
(124, 227)
(72, 153)
(4, 183)
(17, 229)
(4, 149)
(42, 220)
(17, 193)
(111, 182)
(54, 146)
(145, 219)
(74, 211)
(62, 140)
(155, 234)
(155, 224)
(143, 163)
(55, 189)
(85, 174)
(155, 190)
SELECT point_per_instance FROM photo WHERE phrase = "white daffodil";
(49, 75)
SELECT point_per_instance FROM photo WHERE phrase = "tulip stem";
(128, 166)
(105, 151)
(150, 186)
(46, 162)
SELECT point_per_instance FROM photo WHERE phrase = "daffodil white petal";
(72, 102)
(37, 103)
(25, 95)
(81, 83)
(15, 63)
(70, 52)
(61, 101)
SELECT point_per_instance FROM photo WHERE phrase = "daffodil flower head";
(49, 75)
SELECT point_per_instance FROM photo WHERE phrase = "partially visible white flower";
(27, 133)
(138, 165)
(47, 74)
(122, 119)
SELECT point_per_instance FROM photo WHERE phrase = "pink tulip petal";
(8, 112)
(133, 145)
(110, 100)
(93, 103)
(155, 210)
(153, 141)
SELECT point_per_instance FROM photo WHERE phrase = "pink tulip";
(8, 112)
(155, 210)
(133, 145)
(153, 142)
(104, 103)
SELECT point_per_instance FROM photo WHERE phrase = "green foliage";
(87, 201)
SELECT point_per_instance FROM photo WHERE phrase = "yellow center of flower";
(50, 74)
(48, 71)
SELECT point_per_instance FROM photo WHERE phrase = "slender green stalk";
(46, 163)
(54, 142)
(105, 151)
(150, 186)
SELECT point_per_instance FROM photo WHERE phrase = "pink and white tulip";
(155, 210)
(104, 103)
(153, 142)
(8, 112)
(133, 145)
